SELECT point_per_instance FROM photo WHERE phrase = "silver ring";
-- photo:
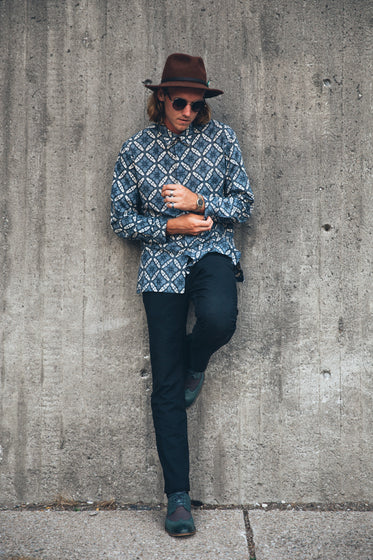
(172, 205)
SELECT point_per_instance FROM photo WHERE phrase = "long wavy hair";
(156, 111)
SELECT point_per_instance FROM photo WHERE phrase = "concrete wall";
(286, 413)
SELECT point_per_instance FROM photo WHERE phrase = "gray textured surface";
(312, 535)
(124, 535)
(295, 423)
(135, 535)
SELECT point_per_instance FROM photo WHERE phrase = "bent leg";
(166, 315)
(212, 288)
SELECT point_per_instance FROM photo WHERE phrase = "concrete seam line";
(72, 505)
(249, 535)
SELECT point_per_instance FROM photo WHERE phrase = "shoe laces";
(176, 501)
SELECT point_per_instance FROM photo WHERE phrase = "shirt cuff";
(160, 234)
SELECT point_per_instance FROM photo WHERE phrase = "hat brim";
(208, 91)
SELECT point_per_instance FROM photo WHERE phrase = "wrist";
(169, 226)
(200, 203)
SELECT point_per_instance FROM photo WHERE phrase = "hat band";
(185, 80)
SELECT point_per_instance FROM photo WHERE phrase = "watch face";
(200, 201)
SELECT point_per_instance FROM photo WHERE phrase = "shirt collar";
(170, 138)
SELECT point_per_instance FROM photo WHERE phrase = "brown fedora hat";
(183, 70)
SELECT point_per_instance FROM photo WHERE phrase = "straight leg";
(167, 315)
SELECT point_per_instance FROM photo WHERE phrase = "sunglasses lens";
(197, 106)
(179, 104)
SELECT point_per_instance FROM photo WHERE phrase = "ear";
(161, 95)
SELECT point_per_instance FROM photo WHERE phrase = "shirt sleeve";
(127, 220)
(235, 205)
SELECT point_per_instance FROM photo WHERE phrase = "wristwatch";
(200, 202)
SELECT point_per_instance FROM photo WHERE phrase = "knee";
(221, 324)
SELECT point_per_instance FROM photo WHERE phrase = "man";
(180, 186)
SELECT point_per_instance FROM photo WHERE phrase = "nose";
(187, 110)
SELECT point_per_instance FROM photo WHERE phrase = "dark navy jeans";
(211, 286)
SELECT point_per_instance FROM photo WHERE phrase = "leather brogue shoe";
(179, 520)
(193, 386)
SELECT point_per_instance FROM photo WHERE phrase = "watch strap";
(200, 201)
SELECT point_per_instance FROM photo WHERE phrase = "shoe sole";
(181, 534)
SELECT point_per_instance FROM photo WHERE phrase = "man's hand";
(180, 197)
(188, 224)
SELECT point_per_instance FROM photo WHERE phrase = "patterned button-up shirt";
(207, 160)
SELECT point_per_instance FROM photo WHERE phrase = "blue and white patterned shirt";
(207, 160)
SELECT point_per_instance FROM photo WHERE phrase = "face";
(178, 121)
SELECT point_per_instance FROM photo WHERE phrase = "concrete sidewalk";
(222, 535)
(312, 535)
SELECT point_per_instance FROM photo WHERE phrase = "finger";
(166, 189)
(204, 226)
(169, 186)
(203, 220)
(168, 194)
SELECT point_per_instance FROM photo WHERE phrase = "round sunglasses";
(179, 104)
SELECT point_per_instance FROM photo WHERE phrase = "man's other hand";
(188, 224)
